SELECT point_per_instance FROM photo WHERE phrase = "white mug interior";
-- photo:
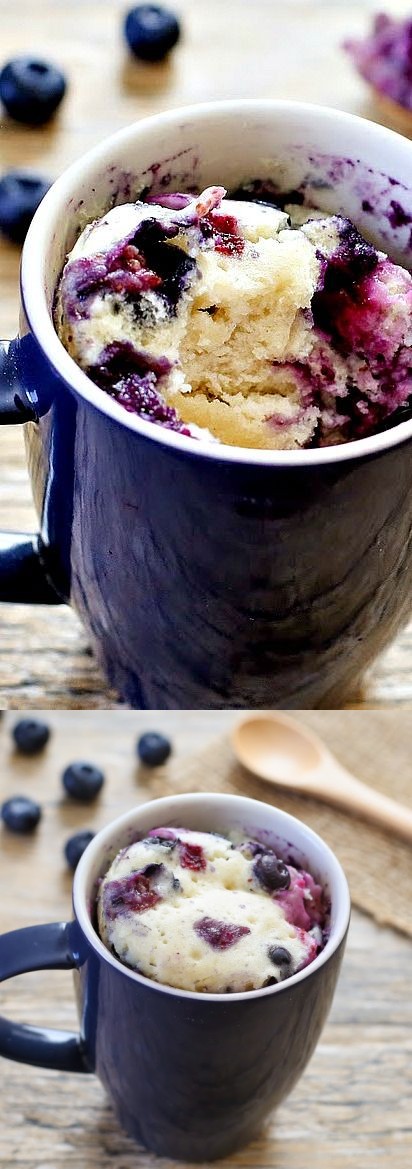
(348, 166)
(214, 812)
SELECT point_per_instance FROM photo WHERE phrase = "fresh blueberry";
(30, 735)
(153, 749)
(20, 814)
(151, 31)
(82, 781)
(31, 90)
(271, 872)
(279, 955)
(20, 195)
(75, 846)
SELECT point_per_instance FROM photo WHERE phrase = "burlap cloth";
(377, 747)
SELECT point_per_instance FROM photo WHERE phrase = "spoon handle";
(338, 786)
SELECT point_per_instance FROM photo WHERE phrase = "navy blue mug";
(191, 1076)
(210, 576)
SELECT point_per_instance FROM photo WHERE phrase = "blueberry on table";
(151, 31)
(153, 749)
(82, 781)
(20, 814)
(75, 847)
(30, 735)
(31, 90)
(20, 195)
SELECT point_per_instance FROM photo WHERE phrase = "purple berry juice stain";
(219, 934)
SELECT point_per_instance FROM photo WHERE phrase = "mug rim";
(41, 323)
(285, 822)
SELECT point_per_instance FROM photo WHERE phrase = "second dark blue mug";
(190, 1076)
(210, 576)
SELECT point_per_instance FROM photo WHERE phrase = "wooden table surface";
(232, 48)
(351, 1109)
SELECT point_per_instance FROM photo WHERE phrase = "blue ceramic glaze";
(40, 947)
(240, 1059)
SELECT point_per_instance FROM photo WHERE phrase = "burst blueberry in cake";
(203, 913)
(239, 321)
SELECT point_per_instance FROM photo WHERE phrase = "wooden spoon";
(283, 751)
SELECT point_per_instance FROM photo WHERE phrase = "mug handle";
(40, 947)
(23, 577)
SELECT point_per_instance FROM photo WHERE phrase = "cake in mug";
(238, 321)
(206, 913)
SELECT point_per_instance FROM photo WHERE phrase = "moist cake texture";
(200, 912)
(238, 321)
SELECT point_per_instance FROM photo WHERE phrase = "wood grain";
(352, 1108)
(231, 49)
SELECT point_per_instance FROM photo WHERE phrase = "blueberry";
(20, 195)
(279, 955)
(20, 814)
(31, 90)
(75, 846)
(271, 872)
(152, 870)
(153, 749)
(30, 735)
(151, 31)
(82, 781)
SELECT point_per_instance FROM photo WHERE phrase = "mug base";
(184, 1146)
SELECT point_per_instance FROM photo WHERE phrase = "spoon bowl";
(277, 748)
(284, 752)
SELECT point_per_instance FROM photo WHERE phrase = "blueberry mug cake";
(239, 321)
(206, 913)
